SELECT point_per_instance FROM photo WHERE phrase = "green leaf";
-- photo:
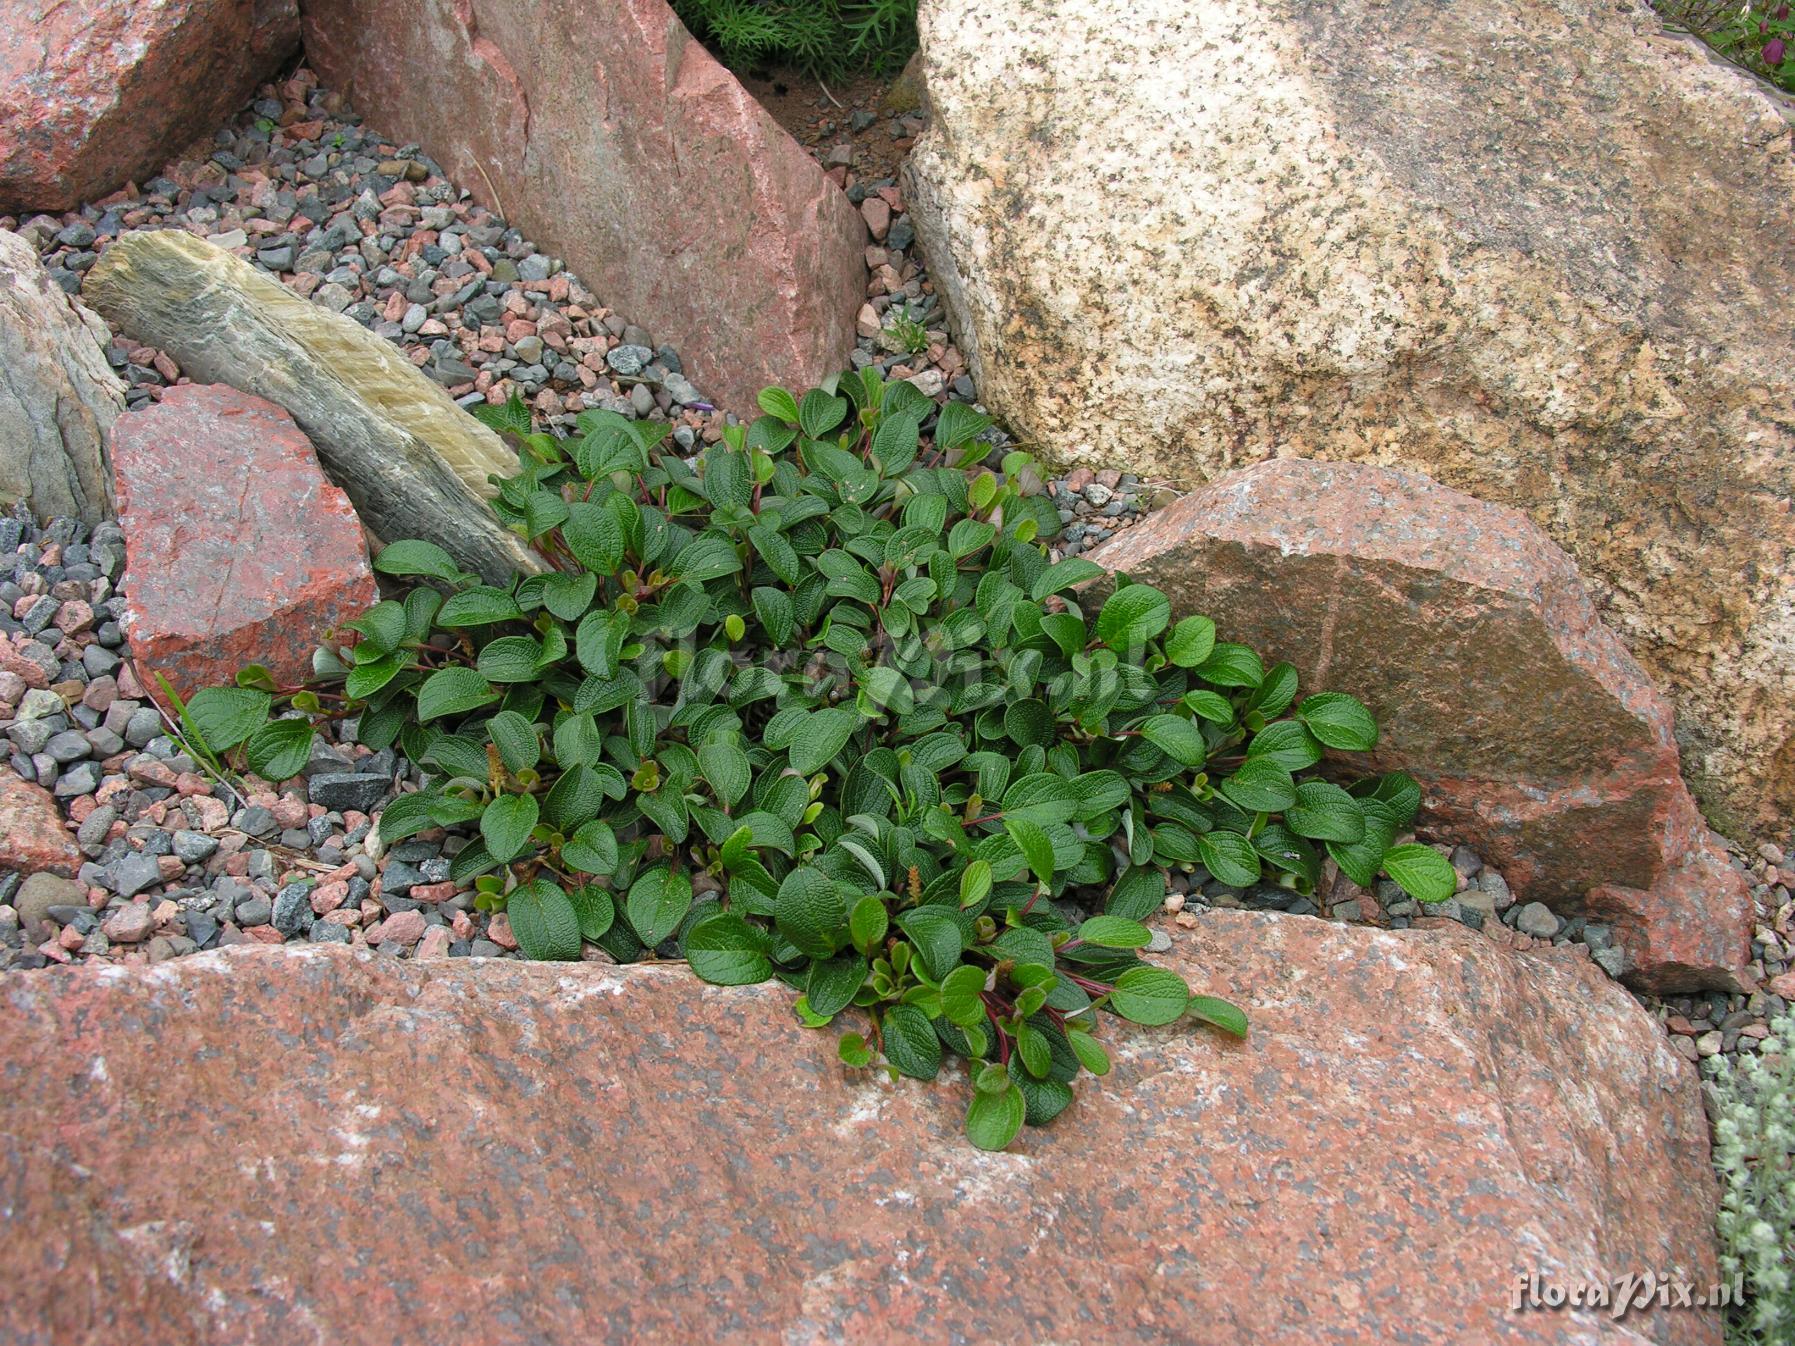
(482, 606)
(1325, 812)
(279, 751)
(224, 716)
(545, 921)
(726, 767)
(778, 402)
(820, 413)
(595, 910)
(1177, 738)
(1287, 743)
(910, 1043)
(1090, 1053)
(834, 982)
(594, 535)
(1114, 932)
(1259, 786)
(510, 659)
(726, 951)
(773, 609)
(1360, 860)
(382, 628)
(1150, 996)
(1232, 666)
(1063, 575)
(1137, 894)
(867, 923)
(811, 912)
(658, 901)
(958, 425)
(961, 992)
(592, 849)
(515, 738)
(506, 825)
(412, 557)
(705, 558)
(824, 735)
(1224, 1014)
(992, 1120)
(1132, 617)
(1421, 872)
(1339, 720)
(975, 883)
(1034, 844)
(453, 691)
(853, 1051)
(1230, 857)
(1191, 642)
(935, 933)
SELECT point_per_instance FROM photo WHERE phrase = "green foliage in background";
(829, 39)
(821, 708)
(1757, 34)
(1754, 1151)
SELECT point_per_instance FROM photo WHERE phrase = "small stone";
(292, 913)
(194, 847)
(134, 874)
(130, 924)
(1538, 920)
(39, 893)
(343, 791)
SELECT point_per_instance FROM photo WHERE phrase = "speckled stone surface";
(596, 122)
(268, 1146)
(32, 837)
(99, 91)
(1535, 735)
(238, 551)
(58, 397)
(1538, 249)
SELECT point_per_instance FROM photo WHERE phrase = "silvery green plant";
(818, 706)
(1754, 1152)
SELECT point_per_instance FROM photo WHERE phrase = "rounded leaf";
(545, 922)
(1149, 995)
(506, 824)
(726, 951)
(993, 1119)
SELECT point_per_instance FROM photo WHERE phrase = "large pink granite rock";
(1536, 737)
(609, 135)
(237, 550)
(99, 92)
(268, 1146)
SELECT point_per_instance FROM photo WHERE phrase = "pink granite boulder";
(237, 549)
(611, 137)
(269, 1146)
(100, 92)
(1537, 739)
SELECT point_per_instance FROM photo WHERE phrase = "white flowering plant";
(1754, 1151)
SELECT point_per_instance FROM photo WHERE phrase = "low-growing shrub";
(1754, 1151)
(819, 707)
(1757, 34)
(831, 39)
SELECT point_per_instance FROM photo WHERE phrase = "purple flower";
(1773, 51)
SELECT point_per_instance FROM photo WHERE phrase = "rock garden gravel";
(175, 862)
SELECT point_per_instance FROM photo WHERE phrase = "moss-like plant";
(818, 706)
(1754, 1151)
(828, 38)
